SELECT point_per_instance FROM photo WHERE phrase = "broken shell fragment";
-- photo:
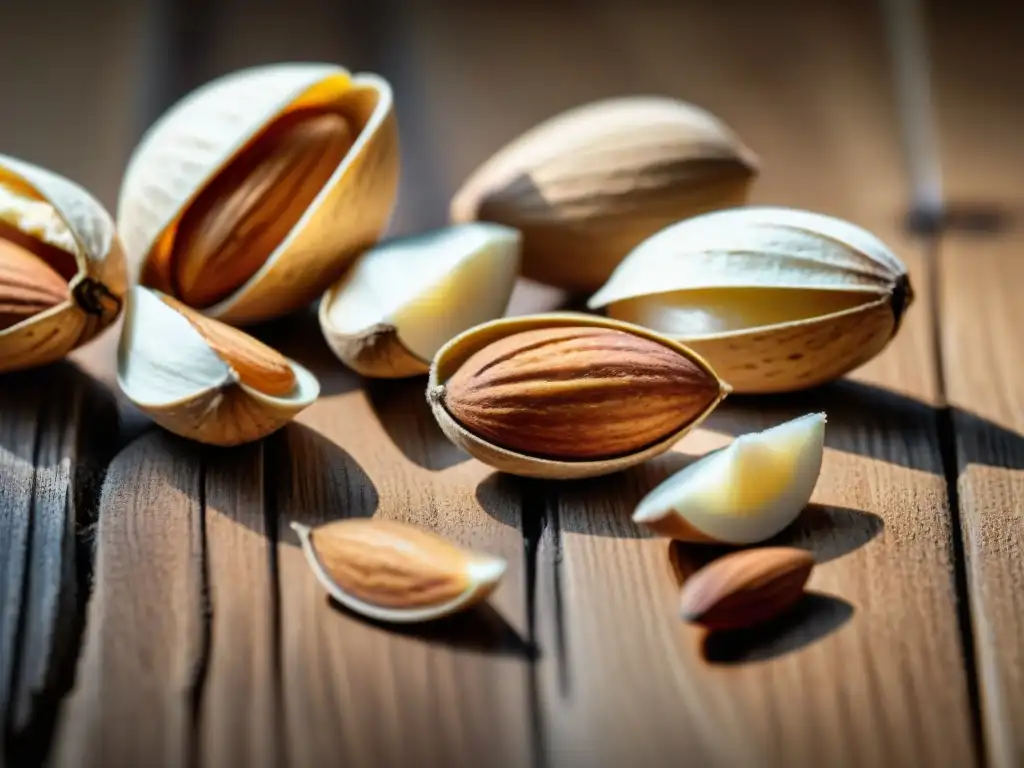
(251, 195)
(744, 493)
(397, 572)
(776, 299)
(202, 379)
(62, 266)
(403, 299)
(568, 395)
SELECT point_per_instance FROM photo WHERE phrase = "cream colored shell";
(451, 356)
(402, 300)
(186, 148)
(55, 210)
(776, 299)
(171, 374)
(590, 183)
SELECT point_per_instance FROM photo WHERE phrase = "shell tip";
(489, 570)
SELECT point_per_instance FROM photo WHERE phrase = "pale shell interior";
(163, 360)
(451, 356)
(84, 249)
(429, 287)
(748, 491)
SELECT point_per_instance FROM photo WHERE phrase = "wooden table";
(155, 608)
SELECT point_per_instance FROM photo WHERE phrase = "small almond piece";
(745, 588)
(395, 571)
(578, 393)
(28, 285)
(248, 209)
(258, 366)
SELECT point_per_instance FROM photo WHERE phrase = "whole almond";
(258, 366)
(397, 571)
(745, 588)
(241, 217)
(577, 393)
(28, 285)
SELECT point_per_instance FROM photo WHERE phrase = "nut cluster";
(271, 188)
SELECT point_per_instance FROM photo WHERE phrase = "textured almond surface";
(257, 365)
(248, 209)
(577, 392)
(746, 587)
(28, 285)
(391, 564)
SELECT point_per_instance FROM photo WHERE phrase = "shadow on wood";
(480, 629)
(401, 406)
(979, 441)
(857, 413)
(26, 394)
(299, 337)
(309, 480)
(599, 509)
(815, 617)
(827, 532)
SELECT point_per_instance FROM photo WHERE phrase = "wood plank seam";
(206, 614)
(14, 676)
(946, 429)
(272, 526)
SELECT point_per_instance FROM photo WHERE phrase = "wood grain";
(207, 638)
(352, 690)
(60, 424)
(145, 641)
(622, 680)
(978, 76)
(355, 691)
(240, 709)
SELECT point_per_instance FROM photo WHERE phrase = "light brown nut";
(395, 571)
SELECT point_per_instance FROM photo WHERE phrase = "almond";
(28, 285)
(578, 393)
(241, 217)
(258, 366)
(396, 571)
(745, 588)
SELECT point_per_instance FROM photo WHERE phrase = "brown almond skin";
(241, 217)
(258, 366)
(391, 564)
(28, 285)
(746, 588)
(577, 393)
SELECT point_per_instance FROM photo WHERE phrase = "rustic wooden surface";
(155, 608)
(978, 79)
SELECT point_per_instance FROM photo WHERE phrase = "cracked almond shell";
(776, 299)
(403, 299)
(587, 185)
(202, 379)
(186, 149)
(451, 357)
(49, 215)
